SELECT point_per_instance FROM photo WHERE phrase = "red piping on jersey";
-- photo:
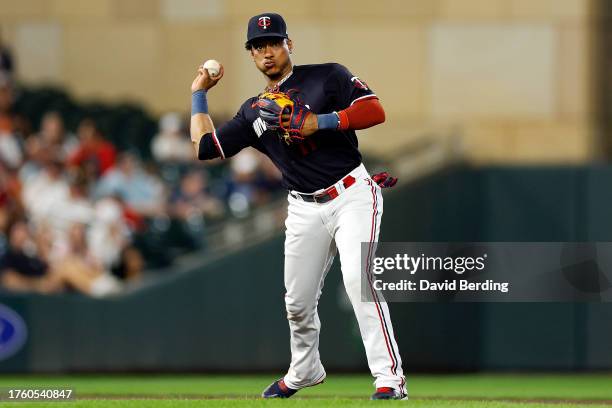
(217, 144)
(362, 114)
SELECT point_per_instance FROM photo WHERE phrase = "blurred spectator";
(7, 63)
(80, 269)
(53, 138)
(45, 192)
(74, 207)
(55, 202)
(242, 187)
(254, 180)
(53, 142)
(141, 191)
(10, 148)
(269, 181)
(93, 153)
(172, 143)
(5, 218)
(131, 265)
(24, 268)
(20, 268)
(192, 200)
(109, 233)
(10, 192)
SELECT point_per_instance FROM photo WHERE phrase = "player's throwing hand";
(205, 81)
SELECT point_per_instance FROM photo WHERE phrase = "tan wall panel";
(383, 140)
(399, 135)
(396, 74)
(492, 71)
(38, 50)
(487, 142)
(552, 142)
(309, 42)
(527, 142)
(242, 10)
(185, 47)
(192, 10)
(548, 9)
(473, 9)
(573, 79)
(79, 9)
(113, 61)
(136, 9)
(383, 9)
(11, 9)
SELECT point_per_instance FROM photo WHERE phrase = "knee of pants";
(353, 287)
(356, 283)
(297, 310)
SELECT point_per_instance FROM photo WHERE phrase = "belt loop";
(340, 186)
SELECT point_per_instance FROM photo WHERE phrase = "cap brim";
(266, 35)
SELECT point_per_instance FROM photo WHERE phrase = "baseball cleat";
(388, 393)
(278, 389)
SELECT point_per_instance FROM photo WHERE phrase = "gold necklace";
(276, 87)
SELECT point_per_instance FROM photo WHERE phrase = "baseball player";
(305, 121)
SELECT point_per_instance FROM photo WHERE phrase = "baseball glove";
(282, 113)
(384, 179)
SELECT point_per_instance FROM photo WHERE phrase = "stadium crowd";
(79, 213)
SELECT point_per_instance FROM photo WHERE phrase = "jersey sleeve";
(345, 87)
(231, 137)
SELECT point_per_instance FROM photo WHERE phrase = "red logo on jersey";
(264, 22)
(359, 83)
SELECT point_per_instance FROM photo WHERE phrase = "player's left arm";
(359, 105)
(362, 114)
(363, 109)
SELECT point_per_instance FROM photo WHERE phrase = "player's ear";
(289, 45)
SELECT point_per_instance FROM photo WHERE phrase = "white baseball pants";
(315, 232)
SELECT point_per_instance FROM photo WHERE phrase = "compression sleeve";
(362, 114)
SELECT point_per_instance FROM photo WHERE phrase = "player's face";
(271, 56)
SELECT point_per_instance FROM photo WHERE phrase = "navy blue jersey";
(324, 157)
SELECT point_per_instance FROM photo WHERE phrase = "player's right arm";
(230, 138)
(201, 123)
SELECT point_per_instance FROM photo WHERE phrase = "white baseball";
(213, 67)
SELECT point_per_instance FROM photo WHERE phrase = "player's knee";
(297, 311)
(352, 284)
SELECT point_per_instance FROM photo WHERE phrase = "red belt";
(328, 194)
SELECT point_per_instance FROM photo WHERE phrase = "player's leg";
(359, 214)
(309, 253)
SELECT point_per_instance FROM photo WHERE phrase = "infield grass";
(481, 390)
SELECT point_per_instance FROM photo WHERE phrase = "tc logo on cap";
(264, 22)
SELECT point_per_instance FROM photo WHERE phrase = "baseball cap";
(266, 25)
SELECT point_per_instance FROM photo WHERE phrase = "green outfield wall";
(227, 314)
